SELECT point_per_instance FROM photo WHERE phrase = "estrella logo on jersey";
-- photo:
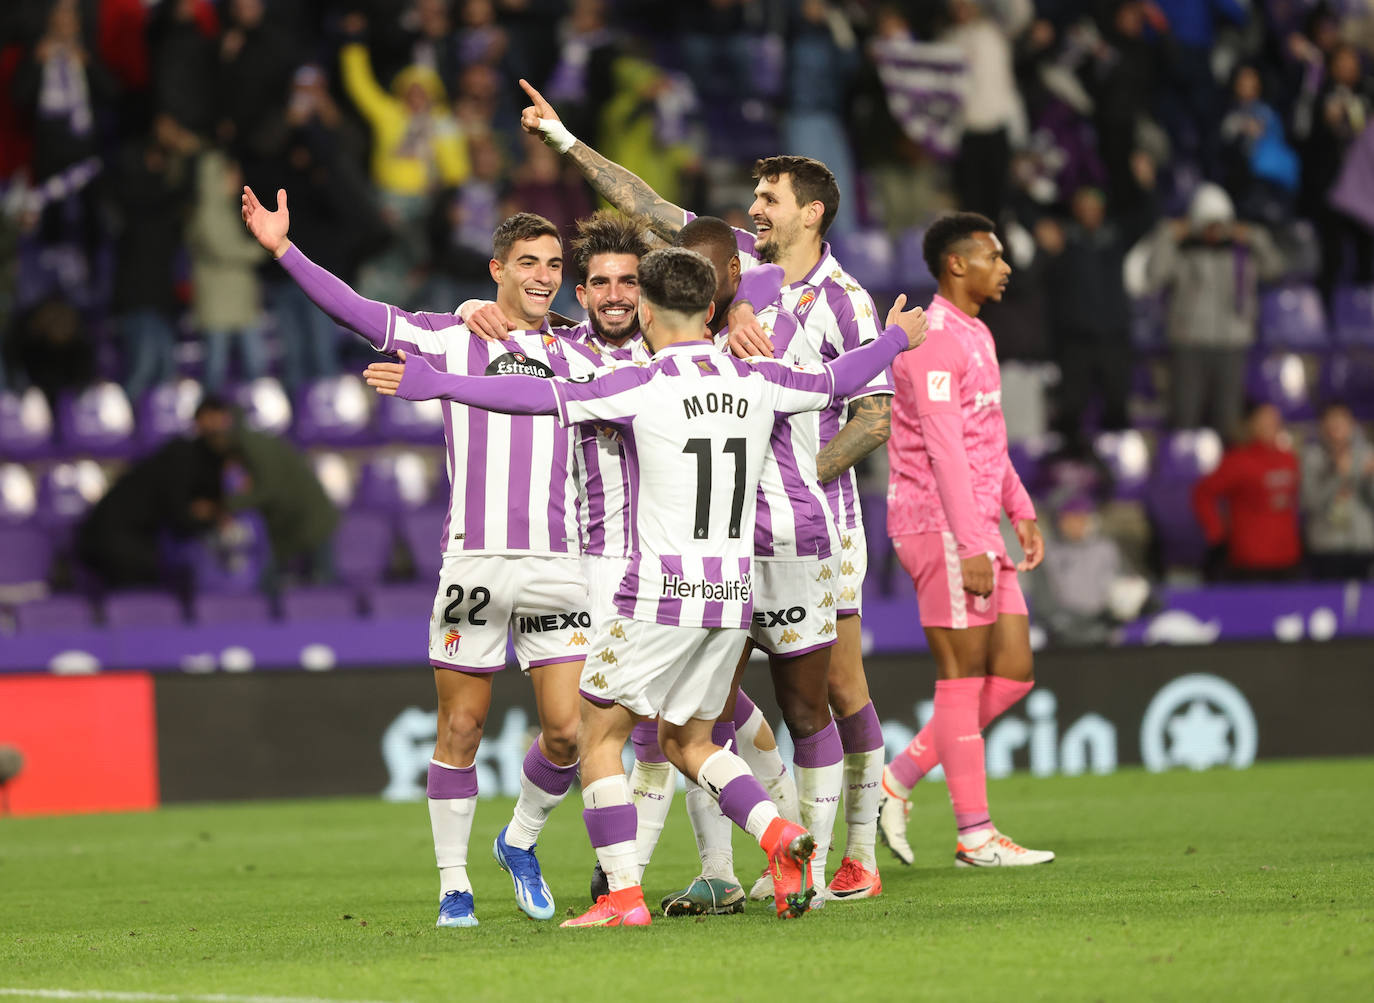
(607, 656)
(828, 601)
(518, 364)
(618, 631)
(451, 640)
(597, 680)
(789, 636)
(825, 574)
(828, 629)
(847, 568)
(578, 638)
(847, 594)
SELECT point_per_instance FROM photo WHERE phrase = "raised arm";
(415, 379)
(621, 188)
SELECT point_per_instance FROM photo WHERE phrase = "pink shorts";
(932, 561)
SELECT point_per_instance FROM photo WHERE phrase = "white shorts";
(542, 601)
(853, 569)
(794, 604)
(603, 575)
(657, 669)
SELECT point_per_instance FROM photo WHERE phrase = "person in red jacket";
(1257, 481)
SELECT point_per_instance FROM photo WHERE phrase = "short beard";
(768, 253)
(605, 335)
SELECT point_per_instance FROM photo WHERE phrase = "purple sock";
(546, 775)
(645, 739)
(739, 797)
(861, 731)
(744, 709)
(723, 734)
(821, 749)
(615, 824)
(445, 783)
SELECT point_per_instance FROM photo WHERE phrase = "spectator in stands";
(1262, 169)
(255, 63)
(176, 491)
(1338, 497)
(151, 192)
(1190, 100)
(184, 60)
(467, 220)
(227, 295)
(53, 347)
(1212, 266)
(1248, 506)
(416, 152)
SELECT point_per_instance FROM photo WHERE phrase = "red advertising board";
(89, 743)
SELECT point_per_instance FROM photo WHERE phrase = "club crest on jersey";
(518, 364)
(451, 640)
(808, 298)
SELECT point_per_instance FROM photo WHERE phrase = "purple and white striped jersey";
(794, 517)
(511, 476)
(696, 426)
(836, 310)
(603, 468)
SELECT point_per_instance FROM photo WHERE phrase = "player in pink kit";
(951, 479)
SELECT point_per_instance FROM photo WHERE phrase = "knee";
(671, 744)
(459, 733)
(803, 717)
(848, 695)
(560, 742)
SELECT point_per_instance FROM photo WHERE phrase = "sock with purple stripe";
(452, 792)
(652, 782)
(543, 785)
(611, 822)
(766, 764)
(819, 762)
(861, 737)
(726, 777)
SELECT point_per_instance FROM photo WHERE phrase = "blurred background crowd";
(1185, 189)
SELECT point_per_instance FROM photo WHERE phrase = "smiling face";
(780, 221)
(528, 279)
(979, 264)
(611, 296)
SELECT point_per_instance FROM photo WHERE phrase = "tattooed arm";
(869, 425)
(621, 188)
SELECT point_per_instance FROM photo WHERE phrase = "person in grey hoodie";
(1212, 265)
(1338, 497)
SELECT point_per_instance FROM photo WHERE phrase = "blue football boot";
(456, 910)
(532, 895)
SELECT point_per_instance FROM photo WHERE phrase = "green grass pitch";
(1254, 885)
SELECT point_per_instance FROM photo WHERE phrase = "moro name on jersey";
(715, 404)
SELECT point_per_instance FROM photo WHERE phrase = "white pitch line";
(101, 994)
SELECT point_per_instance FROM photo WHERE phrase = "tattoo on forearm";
(626, 191)
(869, 425)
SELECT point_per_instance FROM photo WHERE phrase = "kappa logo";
(847, 594)
(607, 656)
(828, 629)
(937, 385)
(451, 640)
(578, 638)
(789, 636)
(828, 601)
(597, 680)
(825, 574)
(847, 568)
(847, 542)
(618, 631)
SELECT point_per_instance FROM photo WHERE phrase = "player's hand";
(747, 337)
(530, 116)
(486, 320)
(269, 227)
(412, 379)
(913, 321)
(385, 377)
(977, 572)
(1032, 544)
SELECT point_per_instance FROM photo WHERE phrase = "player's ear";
(581, 295)
(735, 269)
(495, 268)
(814, 213)
(954, 264)
(710, 311)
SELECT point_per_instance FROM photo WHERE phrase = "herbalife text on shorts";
(737, 591)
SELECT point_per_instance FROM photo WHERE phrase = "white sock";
(767, 765)
(651, 786)
(720, 768)
(863, 778)
(618, 860)
(713, 831)
(450, 819)
(818, 790)
(532, 810)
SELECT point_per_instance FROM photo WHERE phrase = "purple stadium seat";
(1127, 455)
(98, 421)
(1282, 380)
(337, 476)
(167, 410)
(265, 405)
(362, 547)
(1292, 317)
(208, 610)
(400, 600)
(1352, 315)
(400, 420)
(869, 256)
(67, 492)
(18, 497)
(27, 556)
(1348, 377)
(321, 603)
(142, 609)
(422, 530)
(25, 424)
(53, 613)
(335, 411)
(1182, 459)
(231, 563)
(395, 481)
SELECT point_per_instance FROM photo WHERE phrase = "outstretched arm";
(415, 379)
(621, 188)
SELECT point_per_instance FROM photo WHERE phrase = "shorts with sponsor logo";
(932, 561)
(849, 598)
(795, 604)
(540, 601)
(676, 673)
(604, 575)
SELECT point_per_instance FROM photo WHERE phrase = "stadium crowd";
(1184, 188)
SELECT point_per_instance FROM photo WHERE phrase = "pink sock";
(998, 695)
(959, 745)
(916, 760)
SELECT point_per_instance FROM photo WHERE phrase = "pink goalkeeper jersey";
(949, 402)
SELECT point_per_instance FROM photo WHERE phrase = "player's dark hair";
(675, 278)
(946, 233)
(709, 232)
(607, 232)
(212, 402)
(521, 226)
(812, 181)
